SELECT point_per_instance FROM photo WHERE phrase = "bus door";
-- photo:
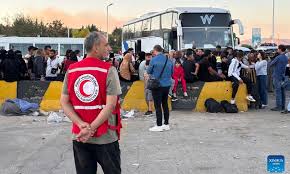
(138, 46)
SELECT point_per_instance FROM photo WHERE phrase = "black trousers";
(88, 155)
(236, 85)
(160, 97)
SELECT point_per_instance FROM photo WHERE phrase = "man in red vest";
(90, 99)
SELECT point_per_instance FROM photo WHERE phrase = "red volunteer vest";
(87, 93)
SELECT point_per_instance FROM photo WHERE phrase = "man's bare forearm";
(104, 115)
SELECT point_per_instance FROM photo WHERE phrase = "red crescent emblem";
(82, 88)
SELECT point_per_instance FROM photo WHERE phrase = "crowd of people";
(37, 64)
(188, 66)
(192, 65)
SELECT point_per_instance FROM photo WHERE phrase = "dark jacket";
(38, 66)
(11, 68)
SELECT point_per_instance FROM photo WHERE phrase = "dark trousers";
(50, 78)
(279, 92)
(160, 97)
(236, 85)
(262, 87)
(88, 155)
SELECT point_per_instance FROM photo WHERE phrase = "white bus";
(61, 44)
(181, 28)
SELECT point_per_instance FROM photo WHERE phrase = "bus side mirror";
(241, 27)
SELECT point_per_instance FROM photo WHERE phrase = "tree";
(92, 28)
(115, 39)
(80, 33)
(56, 29)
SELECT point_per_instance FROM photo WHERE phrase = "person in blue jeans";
(279, 67)
(160, 95)
(261, 71)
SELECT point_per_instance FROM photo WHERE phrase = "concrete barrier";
(135, 98)
(221, 91)
(7, 91)
(47, 94)
(50, 101)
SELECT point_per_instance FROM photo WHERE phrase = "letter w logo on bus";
(206, 19)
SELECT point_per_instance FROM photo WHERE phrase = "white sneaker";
(156, 129)
(165, 127)
(264, 106)
(250, 98)
(233, 101)
(185, 94)
(174, 95)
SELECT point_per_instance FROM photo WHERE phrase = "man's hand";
(85, 133)
(241, 81)
(222, 76)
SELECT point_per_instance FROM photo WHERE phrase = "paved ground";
(199, 143)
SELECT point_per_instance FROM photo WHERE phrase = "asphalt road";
(199, 143)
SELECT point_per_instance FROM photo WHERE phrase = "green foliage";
(115, 39)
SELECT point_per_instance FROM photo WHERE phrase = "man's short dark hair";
(189, 52)
(46, 47)
(207, 53)
(240, 54)
(282, 48)
(158, 48)
(218, 47)
(77, 51)
(53, 51)
(130, 49)
(30, 48)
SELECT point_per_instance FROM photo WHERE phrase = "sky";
(75, 13)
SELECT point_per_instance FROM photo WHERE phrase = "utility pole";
(108, 20)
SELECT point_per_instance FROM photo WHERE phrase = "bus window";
(138, 28)
(166, 21)
(131, 30)
(125, 32)
(155, 26)
(174, 18)
(146, 27)
(65, 47)
(23, 47)
(53, 46)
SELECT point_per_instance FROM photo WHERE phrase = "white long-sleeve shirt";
(261, 67)
(235, 68)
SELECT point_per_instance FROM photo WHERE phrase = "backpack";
(212, 106)
(229, 108)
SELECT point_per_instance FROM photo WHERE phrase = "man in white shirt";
(234, 74)
(52, 67)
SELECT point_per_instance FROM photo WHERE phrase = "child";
(178, 75)
(148, 92)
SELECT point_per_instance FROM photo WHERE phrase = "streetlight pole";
(108, 20)
(273, 22)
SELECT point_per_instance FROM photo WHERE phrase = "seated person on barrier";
(234, 74)
(178, 76)
(225, 66)
(206, 71)
(190, 67)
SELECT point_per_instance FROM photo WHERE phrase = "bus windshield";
(206, 37)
